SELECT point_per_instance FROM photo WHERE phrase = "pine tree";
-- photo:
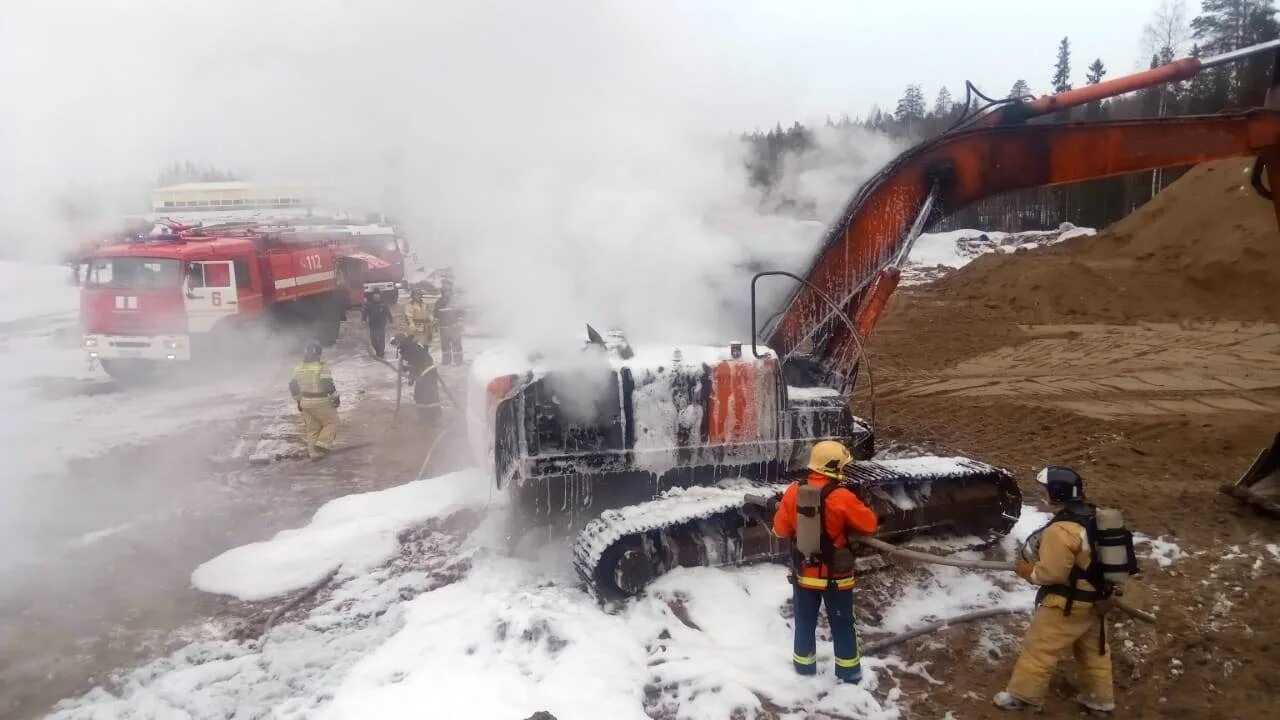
(1062, 68)
(943, 107)
(1019, 89)
(911, 109)
(1200, 89)
(1226, 25)
(1096, 72)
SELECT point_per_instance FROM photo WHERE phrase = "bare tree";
(1166, 36)
(1168, 32)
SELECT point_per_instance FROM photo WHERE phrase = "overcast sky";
(832, 56)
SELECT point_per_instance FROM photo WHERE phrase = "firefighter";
(449, 320)
(1068, 612)
(417, 317)
(426, 389)
(818, 514)
(376, 315)
(420, 369)
(317, 399)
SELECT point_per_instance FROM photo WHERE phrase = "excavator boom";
(858, 262)
(976, 164)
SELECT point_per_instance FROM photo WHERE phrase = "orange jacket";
(842, 513)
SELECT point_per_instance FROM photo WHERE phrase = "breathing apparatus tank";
(1114, 546)
(809, 522)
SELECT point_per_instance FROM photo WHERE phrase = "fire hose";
(918, 556)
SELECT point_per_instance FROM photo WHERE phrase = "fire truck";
(169, 297)
(377, 248)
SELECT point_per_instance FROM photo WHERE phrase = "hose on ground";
(885, 547)
(873, 647)
(918, 556)
(297, 600)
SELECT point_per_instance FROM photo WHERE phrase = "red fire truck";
(377, 247)
(168, 298)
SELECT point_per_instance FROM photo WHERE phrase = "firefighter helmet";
(1062, 483)
(415, 294)
(830, 458)
(311, 351)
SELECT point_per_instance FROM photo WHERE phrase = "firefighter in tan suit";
(1068, 612)
(313, 390)
(417, 317)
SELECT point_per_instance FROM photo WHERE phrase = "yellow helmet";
(830, 458)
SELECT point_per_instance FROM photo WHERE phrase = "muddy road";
(101, 577)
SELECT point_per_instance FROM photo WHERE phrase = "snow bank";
(29, 290)
(355, 533)
(936, 254)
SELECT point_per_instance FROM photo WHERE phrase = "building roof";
(190, 186)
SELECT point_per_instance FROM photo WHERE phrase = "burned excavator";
(669, 457)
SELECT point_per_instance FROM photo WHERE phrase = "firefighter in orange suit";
(819, 520)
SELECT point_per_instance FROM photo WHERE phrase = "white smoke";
(575, 161)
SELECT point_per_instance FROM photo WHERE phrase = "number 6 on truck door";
(211, 294)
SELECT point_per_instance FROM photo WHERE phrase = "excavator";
(673, 456)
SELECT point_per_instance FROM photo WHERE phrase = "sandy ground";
(121, 594)
(1155, 416)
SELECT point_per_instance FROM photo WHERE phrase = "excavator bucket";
(1260, 484)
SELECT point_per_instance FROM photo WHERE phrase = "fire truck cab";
(160, 299)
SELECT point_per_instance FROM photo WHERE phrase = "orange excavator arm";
(857, 267)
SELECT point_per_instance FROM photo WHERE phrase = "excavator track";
(623, 550)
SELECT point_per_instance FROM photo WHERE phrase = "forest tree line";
(1220, 26)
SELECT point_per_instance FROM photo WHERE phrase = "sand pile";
(1206, 248)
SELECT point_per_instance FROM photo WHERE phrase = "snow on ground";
(453, 624)
(936, 254)
(32, 290)
(354, 533)
(47, 383)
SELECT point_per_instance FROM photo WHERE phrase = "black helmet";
(415, 294)
(1062, 483)
(311, 351)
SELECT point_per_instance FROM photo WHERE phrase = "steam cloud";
(575, 161)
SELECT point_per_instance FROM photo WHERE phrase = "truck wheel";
(129, 371)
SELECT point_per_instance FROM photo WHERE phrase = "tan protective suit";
(1062, 545)
(312, 388)
(417, 317)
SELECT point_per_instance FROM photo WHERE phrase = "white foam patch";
(486, 635)
(1164, 552)
(354, 533)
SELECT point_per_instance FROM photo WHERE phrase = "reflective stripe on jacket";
(843, 513)
(417, 316)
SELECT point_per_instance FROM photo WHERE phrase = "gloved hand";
(1024, 569)
(336, 401)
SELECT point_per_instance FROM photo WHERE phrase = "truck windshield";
(383, 246)
(134, 272)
